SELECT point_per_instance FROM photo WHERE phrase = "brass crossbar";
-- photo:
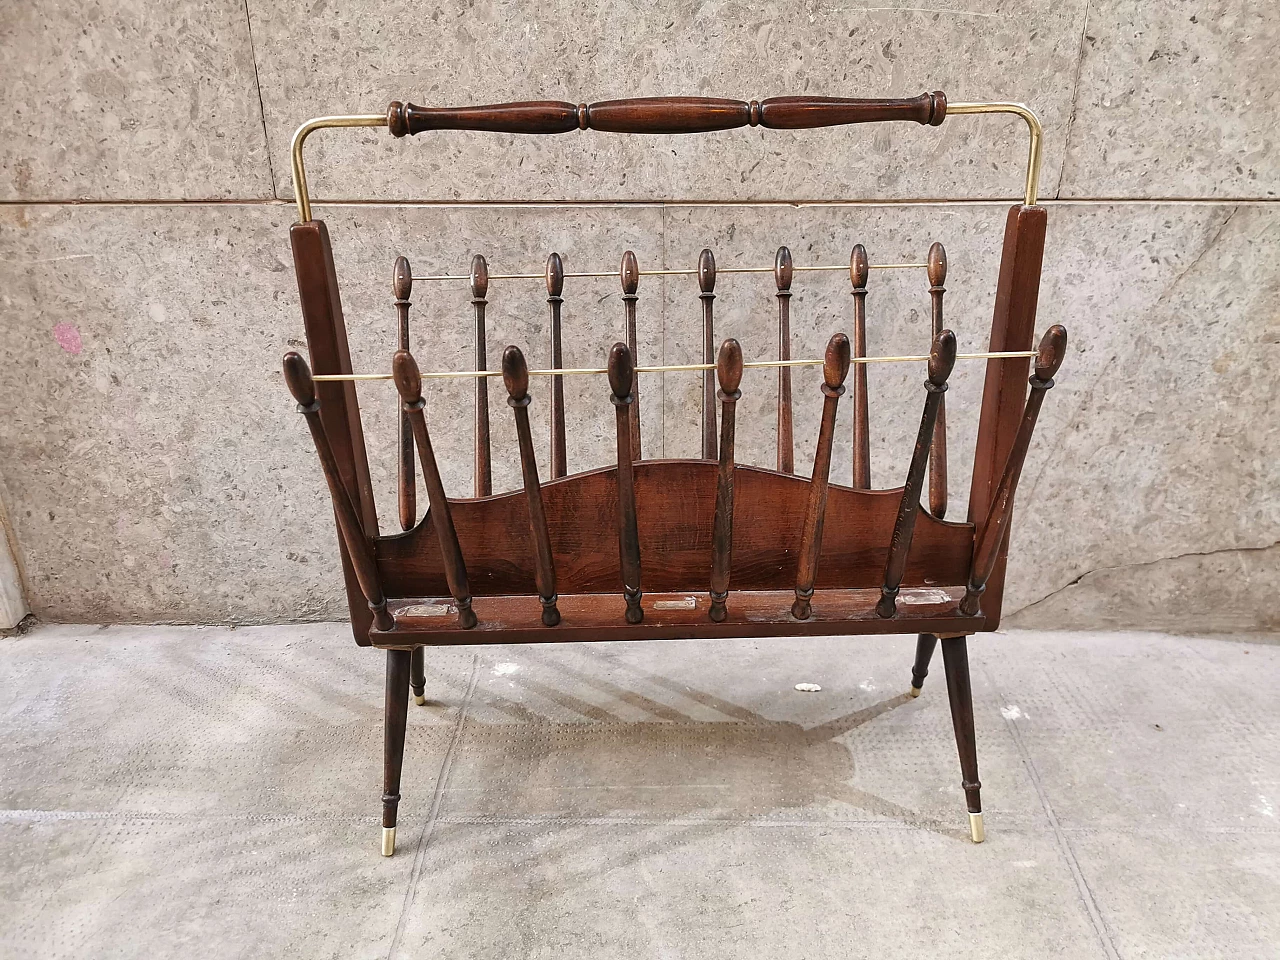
(669, 368)
(675, 273)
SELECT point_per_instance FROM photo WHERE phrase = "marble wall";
(153, 468)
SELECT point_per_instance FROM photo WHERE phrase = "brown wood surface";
(706, 287)
(621, 383)
(783, 270)
(406, 484)
(729, 373)
(339, 409)
(955, 659)
(1012, 328)
(937, 267)
(555, 287)
(859, 270)
(665, 114)
(483, 473)
(629, 273)
(396, 715)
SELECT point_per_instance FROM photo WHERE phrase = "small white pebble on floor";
(808, 687)
(1010, 712)
(505, 669)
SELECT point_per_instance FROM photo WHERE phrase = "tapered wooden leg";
(924, 653)
(955, 658)
(418, 675)
(397, 708)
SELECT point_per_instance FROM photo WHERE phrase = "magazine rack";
(675, 548)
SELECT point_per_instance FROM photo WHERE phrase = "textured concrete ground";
(214, 792)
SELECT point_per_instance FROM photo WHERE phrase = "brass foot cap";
(389, 841)
(915, 691)
(976, 833)
(420, 701)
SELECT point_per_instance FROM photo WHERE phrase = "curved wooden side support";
(834, 370)
(406, 488)
(484, 457)
(665, 114)
(409, 384)
(706, 287)
(859, 270)
(629, 273)
(1052, 351)
(729, 372)
(515, 374)
(783, 269)
(621, 381)
(942, 357)
(555, 287)
(298, 377)
(937, 267)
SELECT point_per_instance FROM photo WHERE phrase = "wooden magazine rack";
(675, 548)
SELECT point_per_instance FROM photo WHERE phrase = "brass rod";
(673, 368)
(674, 273)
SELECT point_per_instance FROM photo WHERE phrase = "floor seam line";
(437, 801)
(1064, 845)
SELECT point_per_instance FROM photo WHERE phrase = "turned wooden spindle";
(555, 287)
(515, 374)
(297, 375)
(859, 269)
(408, 381)
(484, 461)
(782, 273)
(406, 487)
(630, 275)
(707, 286)
(621, 382)
(1051, 352)
(942, 357)
(834, 370)
(937, 268)
(729, 373)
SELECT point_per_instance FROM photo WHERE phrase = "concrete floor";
(214, 792)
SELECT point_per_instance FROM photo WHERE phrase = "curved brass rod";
(303, 198)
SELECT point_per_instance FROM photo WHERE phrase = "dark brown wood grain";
(629, 273)
(942, 357)
(729, 373)
(409, 384)
(555, 289)
(297, 376)
(707, 287)
(1012, 328)
(622, 382)
(925, 644)
(955, 659)
(783, 270)
(665, 115)
(396, 707)
(515, 374)
(339, 408)
(859, 270)
(406, 484)
(937, 268)
(834, 369)
(483, 471)
(993, 533)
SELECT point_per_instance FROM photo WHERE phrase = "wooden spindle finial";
(407, 377)
(402, 283)
(515, 373)
(942, 357)
(835, 364)
(555, 275)
(479, 277)
(297, 375)
(859, 267)
(1051, 352)
(937, 265)
(621, 370)
(706, 271)
(729, 366)
(630, 273)
(783, 269)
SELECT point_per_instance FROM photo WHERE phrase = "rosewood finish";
(729, 373)
(859, 270)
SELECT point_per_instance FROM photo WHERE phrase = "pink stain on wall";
(68, 337)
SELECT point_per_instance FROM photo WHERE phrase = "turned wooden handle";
(665, 114)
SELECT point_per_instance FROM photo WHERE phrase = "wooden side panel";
(1012, 328)
(339, 409)
(676, 533)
